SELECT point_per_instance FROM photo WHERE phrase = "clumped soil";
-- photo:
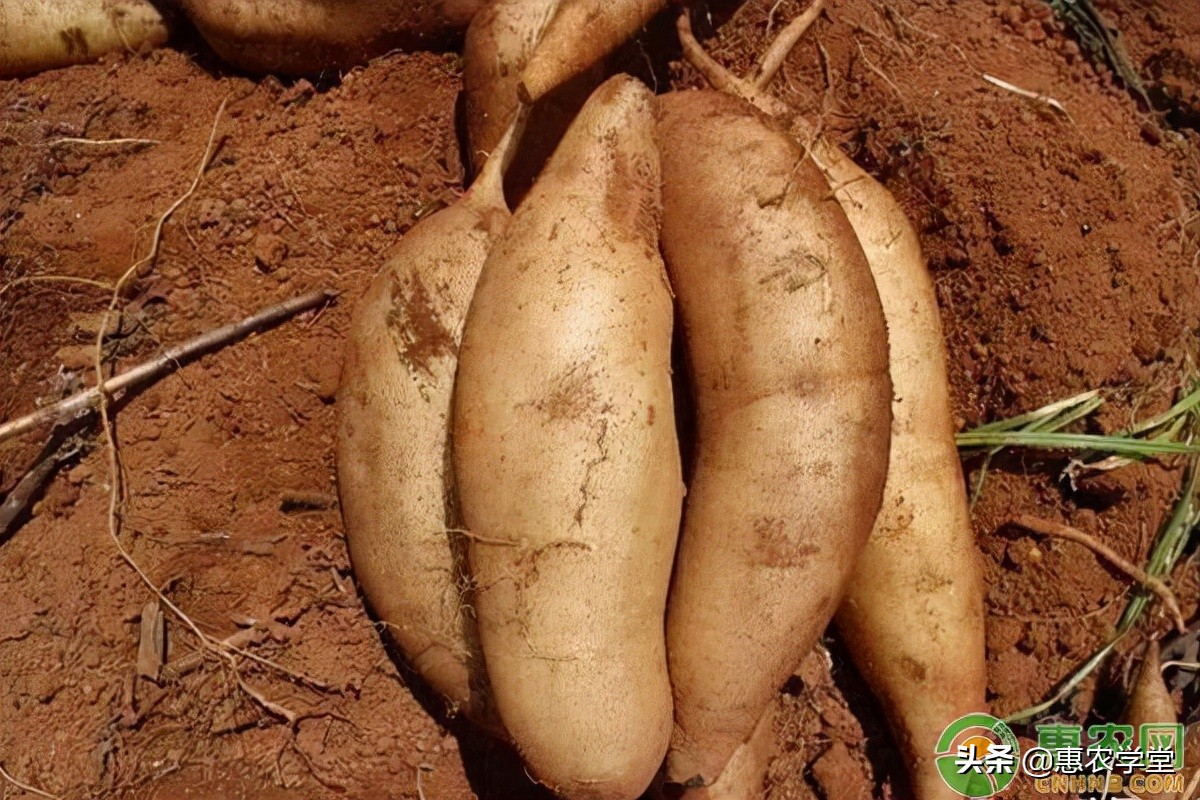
(1063, 247)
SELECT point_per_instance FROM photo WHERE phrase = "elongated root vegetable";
(913, 613)
(746, 773)
(1150, 702)
(788, 358)
(567, 459)
(580, 35)
(499, 42)
(307, 37)
(393, 450)
(37, 35)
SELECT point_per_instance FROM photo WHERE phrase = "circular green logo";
(978, 755)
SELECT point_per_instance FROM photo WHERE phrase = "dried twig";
(19, 498)
(1041, 98)
(24, 787)
(178, 667)
(1049, 528)
(100, 142)
(165, 364)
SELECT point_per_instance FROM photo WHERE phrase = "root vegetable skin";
(746, 773)
(1150, 701)
(307, 37)
(787, 352)
(568, 463)
(37, 35)
(913, 614)
(397, 490)
(580, 35)
(498, 44)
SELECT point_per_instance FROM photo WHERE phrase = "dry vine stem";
(168, 362)
(100, 142)
(18, 498)
(1048, 528)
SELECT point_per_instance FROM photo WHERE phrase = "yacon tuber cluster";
(510, 449)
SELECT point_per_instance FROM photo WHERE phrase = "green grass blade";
(1172, 541)
(1116, 445)
(1067, 417)
(1172, 414)
(1053, 417)
(1043, 413)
